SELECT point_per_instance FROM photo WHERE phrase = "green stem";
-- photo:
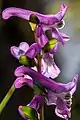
(6, 98)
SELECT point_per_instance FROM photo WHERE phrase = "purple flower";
(58, 94)
(24, 49)
(31, 111)
(51, 21)
(44, 19)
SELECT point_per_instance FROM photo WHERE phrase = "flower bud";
(29, 112)
(33, 21)
(50, 45)
(24, 60)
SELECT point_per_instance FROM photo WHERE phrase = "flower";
(44, 19)
(31, 111)
(58, 94)
(24, 49)
(44, 22)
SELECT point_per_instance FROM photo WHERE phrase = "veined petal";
(49, 66)
(21, 81)
(62, 110)
(33, 50)
(44, 81)
(44, 19)
(24, 46)
(53, 71)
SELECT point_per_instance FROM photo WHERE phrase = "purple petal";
(64, 36)
(51, 98)
(44, 19)
(71, 85)
(49, 67)
(37, 102)
(24, 46)
(46, 82)
(21, 81)
(15, 51)
(33, 50)
(62, 12)
(62, 110)
(56, 34)
(42, 38)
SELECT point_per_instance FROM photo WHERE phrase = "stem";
(39, 70)
(42, 113)
(6, 98)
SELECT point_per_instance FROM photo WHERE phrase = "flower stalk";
(6, 98)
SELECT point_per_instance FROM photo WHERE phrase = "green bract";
(29, 112)
(50, 45)
(24, 60)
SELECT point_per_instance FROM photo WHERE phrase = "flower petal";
(33, 50)
(62, 110)
(62, 12)
(42, 38)
(46, 82)
(49, 66)
(53, 71)
(21, 81)
(64, 36)
(51, 98)
(44, 19)
(56, 34)
(24, 46)
(15, 51)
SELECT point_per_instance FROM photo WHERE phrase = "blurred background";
(16, 30)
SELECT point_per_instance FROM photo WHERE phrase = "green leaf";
(29, 112)
(50, 45)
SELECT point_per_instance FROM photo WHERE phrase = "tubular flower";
(44, 19)
(31, 111)
(24, 49)
(58, 94)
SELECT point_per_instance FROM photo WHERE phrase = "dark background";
(16, 30)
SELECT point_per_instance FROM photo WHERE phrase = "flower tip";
(75, 79)
(64, 6)
(5, 14)
(19, 71)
